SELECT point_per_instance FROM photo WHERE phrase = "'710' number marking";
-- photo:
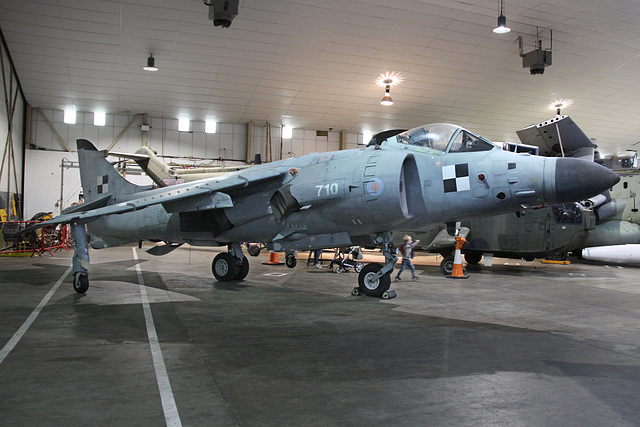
(330, 189)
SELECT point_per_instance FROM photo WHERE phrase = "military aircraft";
(430, 174)
(617, 212)
(616, 237)
(617, 221)
(163, 174)
(544, 232)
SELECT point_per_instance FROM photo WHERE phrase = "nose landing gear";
(375, 279)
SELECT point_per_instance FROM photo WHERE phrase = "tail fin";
(99, 178)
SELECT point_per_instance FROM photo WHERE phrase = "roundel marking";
(374, 187)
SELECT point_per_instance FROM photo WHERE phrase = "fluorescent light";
(366, 136)
(99, 118)
(287, 132)
(69, 115)
(183, 124)
(210, 126)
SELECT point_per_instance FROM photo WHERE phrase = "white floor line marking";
(32, 317)
(169, 407)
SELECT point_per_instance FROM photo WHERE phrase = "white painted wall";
(43, 171)
(52, 186)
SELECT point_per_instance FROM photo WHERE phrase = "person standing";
(317, 257)
(407, 250)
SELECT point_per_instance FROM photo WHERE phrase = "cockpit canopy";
(442, 137)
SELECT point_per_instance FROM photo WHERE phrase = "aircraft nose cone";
(577, 179)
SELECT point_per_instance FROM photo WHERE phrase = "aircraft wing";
(198, 195)
(559, 136)
(132, 156)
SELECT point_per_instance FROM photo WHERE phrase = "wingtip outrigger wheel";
(80, 258)
(80, 282)
(290, 260)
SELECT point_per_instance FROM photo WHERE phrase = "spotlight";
(386, 99)
(502, 21)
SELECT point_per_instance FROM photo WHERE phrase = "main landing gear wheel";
(225, 267)
(562, 256)
(446, 266)
(473, 257)
(254, 250)
(80, 282)
(290, 261)
(369, 285)
(243, 269)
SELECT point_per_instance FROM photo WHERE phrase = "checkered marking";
(103, 184)
(456, 178)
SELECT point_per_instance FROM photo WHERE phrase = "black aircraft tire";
(81, 283)
(558, 257)
(377, 288)
(473, 257)
(446, 266)
(254, 250)
(224, 267)
(290, 261)
(243, 269)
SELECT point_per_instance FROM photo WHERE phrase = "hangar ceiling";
(313, 64)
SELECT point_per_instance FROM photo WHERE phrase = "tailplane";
(99, 179)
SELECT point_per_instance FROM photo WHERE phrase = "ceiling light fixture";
(210, 125)
(502, 21)
(396, 79)
(183, 124)
(287, 132)
(386, 99)
(150, 64)
(560, 104)
(69, 116)
(99, 118)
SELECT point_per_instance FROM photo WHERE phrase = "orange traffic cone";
(458, 272)
(273, 259)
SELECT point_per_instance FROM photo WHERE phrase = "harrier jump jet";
(430, 174)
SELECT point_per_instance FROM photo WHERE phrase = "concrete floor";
(523, 344)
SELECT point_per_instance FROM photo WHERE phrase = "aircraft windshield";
(465, 141)
(439, 136)
(434, 136)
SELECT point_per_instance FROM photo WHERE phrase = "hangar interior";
(157, 340)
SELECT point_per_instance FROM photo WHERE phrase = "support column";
(249, 141)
